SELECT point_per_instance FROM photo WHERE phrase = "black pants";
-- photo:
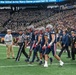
(21, 50)
(35, 53)
(64, 48)
(73, 52)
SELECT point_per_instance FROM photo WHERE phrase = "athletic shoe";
(40, 63)
(37, 60)
(31, 62)
(27, 60)
(68, 57)
(8, 58)
(17, 60)
(61, 63)
(51, 60)
(45, 65)
(13, 57)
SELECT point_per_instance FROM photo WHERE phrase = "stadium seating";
(38, 17)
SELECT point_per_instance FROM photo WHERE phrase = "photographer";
(73, 45)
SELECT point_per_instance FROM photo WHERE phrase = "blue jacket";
(65, 40)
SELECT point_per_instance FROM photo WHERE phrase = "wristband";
(50, 43)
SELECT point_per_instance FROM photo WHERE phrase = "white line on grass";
(32, 65)
(11, 66)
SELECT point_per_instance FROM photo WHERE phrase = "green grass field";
(10, 67)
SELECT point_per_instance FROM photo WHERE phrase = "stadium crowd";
(23, 18)
(4, 16)
(62, 20)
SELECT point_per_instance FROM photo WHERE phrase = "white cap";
(8, 30)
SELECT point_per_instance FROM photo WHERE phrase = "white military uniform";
(9, 41)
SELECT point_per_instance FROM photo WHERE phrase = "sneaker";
(61, 63)
(8, 57)
(72, 59)
(68, 57)
(27, 60)
(13, 57)
(40, 63)
(51, 60)
(31, 62)
(37, 60)
(45, 65)
(16, 60)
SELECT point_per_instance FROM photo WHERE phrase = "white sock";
(46, 62)
(60, 61)
(40, 59)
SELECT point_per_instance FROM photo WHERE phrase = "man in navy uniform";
(50, 45)
(35, 46)
(41, 42)
(32, 41)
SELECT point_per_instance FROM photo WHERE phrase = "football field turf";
(10, 67)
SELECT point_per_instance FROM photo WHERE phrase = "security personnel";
(21, 42)
(65, 43)
(73, 45)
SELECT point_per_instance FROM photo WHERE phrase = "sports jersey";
(32, 36)
(50, 37)
(22, 38)
(36, 38)
(42, 41)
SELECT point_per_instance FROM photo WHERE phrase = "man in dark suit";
(73, 45)
(65, 43)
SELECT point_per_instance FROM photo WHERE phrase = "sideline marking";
(32, 65)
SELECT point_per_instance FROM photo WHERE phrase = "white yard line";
(11, 66)
(32, 65)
